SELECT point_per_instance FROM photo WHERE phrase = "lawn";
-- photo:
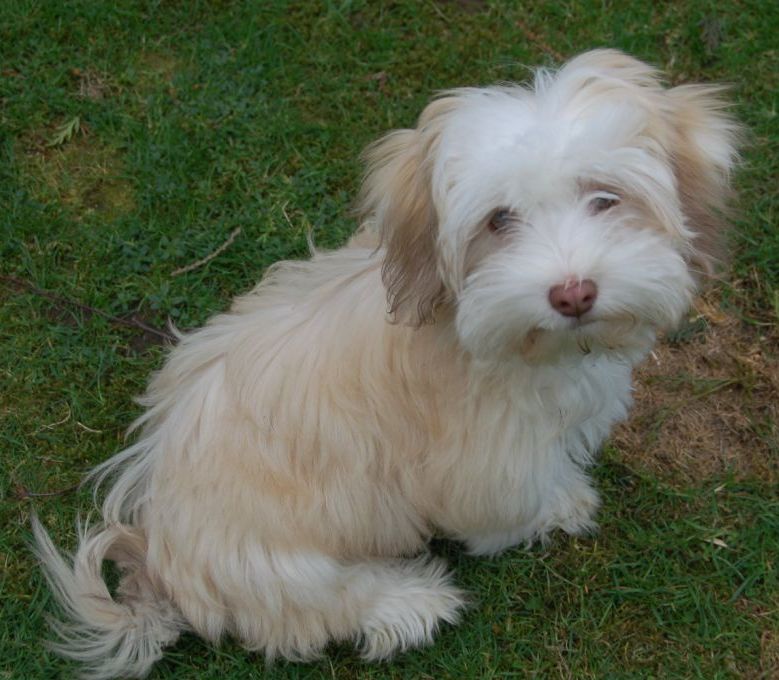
(158, 156)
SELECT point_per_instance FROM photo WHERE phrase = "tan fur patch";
(702, 157)
(396, 196)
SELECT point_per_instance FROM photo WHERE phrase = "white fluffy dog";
(298, 451)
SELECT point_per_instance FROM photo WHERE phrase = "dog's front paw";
(573, 511)
(493, 543)
(578, 516)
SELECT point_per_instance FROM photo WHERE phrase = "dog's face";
(572, 216)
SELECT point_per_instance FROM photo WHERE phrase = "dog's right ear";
(396, 196)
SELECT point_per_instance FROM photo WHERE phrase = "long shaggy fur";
(297, 453)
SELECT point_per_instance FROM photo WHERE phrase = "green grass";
(199, 118)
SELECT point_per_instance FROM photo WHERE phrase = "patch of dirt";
(769, 653)
(83, 175)
(91, 84)
(706, 401)
(155, 71)
(147, 336)
(162, 64)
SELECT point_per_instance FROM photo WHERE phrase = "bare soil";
(706, 401)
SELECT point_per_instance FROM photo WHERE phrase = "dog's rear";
(110, 637)
(209, 527)
(307, 600)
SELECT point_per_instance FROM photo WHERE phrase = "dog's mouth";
(585, 336)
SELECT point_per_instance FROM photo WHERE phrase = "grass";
(137, 137)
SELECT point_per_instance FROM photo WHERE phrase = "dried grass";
(706, 401)
(84, 175)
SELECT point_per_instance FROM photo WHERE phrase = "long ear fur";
(704, 154)
(396, 197)
(699, 135)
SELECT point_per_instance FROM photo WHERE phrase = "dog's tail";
(119, 637)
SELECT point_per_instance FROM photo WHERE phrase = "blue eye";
(501, 219)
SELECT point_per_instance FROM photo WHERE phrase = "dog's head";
(576, 214)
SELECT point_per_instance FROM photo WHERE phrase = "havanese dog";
(453, 371)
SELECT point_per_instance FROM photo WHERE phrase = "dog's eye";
(603, 202)
(501, 219)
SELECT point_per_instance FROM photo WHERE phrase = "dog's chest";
(533, 409)
(517, 438)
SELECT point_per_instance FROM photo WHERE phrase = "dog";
(453, 370)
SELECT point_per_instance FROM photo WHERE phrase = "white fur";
(299, 450)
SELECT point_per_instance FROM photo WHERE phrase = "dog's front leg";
(567, 502)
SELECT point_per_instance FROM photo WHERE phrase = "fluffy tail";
(120, 637)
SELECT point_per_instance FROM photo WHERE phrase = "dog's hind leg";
(307, 600)
(402, 604)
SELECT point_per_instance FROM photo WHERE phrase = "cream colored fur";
(298, 452)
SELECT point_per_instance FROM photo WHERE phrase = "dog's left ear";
(396, 198)
(703, 153)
